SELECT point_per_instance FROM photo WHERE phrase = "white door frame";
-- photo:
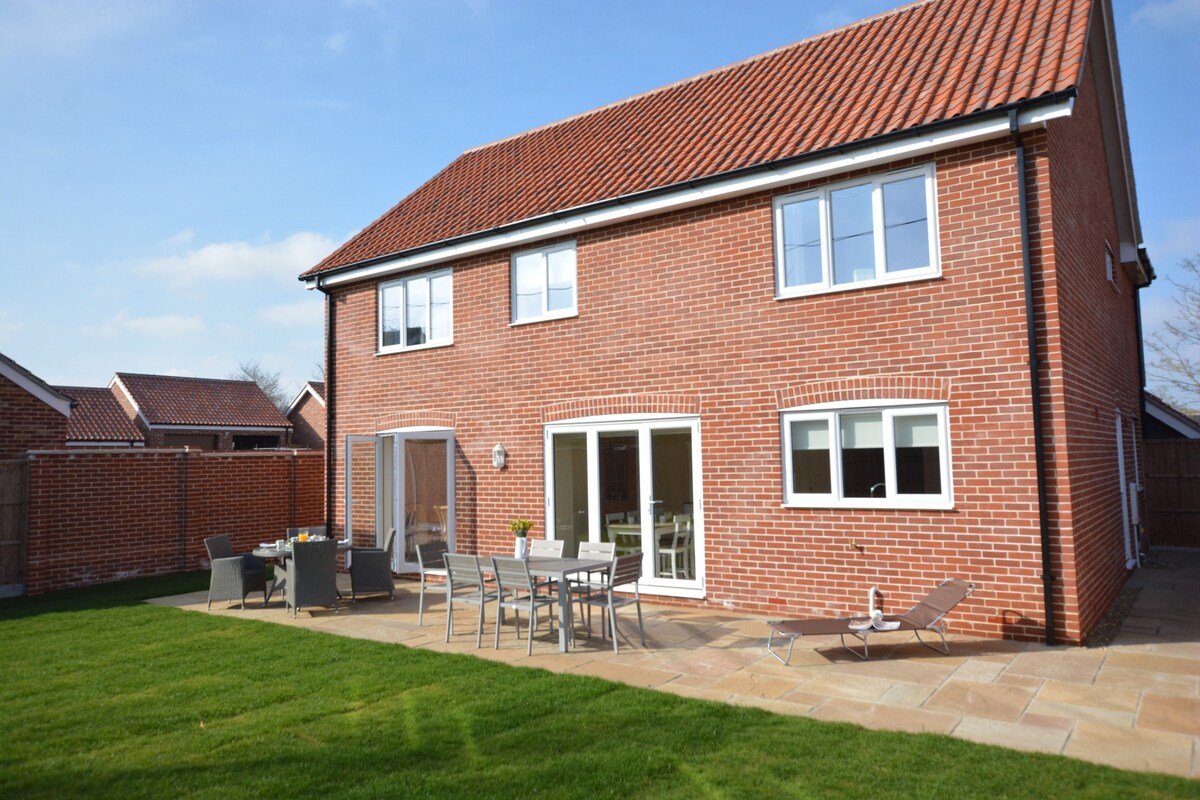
(399, 437)
(643, 425)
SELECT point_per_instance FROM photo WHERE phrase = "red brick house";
(33, 414)
(307, 415)
(859, 311)
(204, 413)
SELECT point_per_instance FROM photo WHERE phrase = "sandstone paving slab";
(621, 673)
(847, 686)
(1150, 662)
(980, 670)
(907, 695)
(783, 705)
(1059, 663)
(1048, 721)
(884, 717)
(987, 700)
(1171, 684)
(1028, 681)
(1173, 714)
(695, 692)
(1015, 735)
(1109, 698)
(928, 673)
(1146, 750)
(751, 684)
(706, 661)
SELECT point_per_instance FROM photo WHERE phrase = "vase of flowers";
(520, 530)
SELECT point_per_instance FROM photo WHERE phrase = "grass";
(104, 696)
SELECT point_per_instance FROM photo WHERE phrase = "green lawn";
(103, 696)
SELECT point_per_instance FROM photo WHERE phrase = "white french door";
(402, 480)
(635, 483)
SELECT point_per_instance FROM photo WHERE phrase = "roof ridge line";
(693, 78)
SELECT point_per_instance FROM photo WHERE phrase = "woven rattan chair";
(371, 568)
(517, 590)
(430, 563)
(312, 575)
(233, 576)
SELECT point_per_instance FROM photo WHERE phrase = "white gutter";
(568, 222)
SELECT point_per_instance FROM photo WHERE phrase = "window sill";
(881, 505)
(547, 318)
(891, 280)
(387, 351)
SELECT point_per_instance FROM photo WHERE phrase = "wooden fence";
(1173, 492)
(13, 527)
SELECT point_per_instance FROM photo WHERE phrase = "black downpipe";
(330, 359)
(1035, 381)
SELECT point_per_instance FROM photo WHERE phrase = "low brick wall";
(102, 516)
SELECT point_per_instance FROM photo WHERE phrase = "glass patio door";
(636, 485)
(402, 480)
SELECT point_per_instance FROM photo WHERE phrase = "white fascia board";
(232, 428)
(300, 396)
(129, 395)
(569, 222)
(1171, 422)
(60, 404)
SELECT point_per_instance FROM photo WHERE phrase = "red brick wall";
(308, 424)
(26, 423)
(96, 517)
(682, 305)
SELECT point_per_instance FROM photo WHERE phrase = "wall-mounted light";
(499, 457)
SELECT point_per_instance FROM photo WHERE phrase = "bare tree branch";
(1176, 350)
(267, 381)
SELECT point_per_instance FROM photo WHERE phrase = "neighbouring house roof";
(35, 385)
(1186, 426)
(209, 402)
(930, 62)
(98, 417)
(314, 389)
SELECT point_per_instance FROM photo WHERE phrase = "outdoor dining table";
(281, 554)
(559, 569)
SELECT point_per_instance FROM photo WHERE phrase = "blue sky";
(167, 168)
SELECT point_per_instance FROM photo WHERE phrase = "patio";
(1134, 704)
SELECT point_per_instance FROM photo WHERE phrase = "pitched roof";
(925, 63)
(1187, 425)
(167, 400)
(34, 385)
(314, 388)
(98, 417)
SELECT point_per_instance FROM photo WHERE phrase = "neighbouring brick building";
(98, 420)
(307, 415)
(33, 414)
(859, 311)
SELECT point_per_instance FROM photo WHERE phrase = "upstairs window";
(889, 457)
(862, 232)
(543, 283)
(1110, 267)
(416, 312)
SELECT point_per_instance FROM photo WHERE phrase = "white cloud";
(166, 326)
(1168, 13)
(182, 238)
(242, 261)
(336, 42)
(66, 27)
(306, 313)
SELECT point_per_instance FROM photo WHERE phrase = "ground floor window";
(865, 457)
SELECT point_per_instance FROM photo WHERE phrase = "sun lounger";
(926, 615)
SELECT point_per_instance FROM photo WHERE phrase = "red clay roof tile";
(168, 400)
(931, 61)
(98, 417)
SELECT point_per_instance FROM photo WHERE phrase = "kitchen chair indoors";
(233, 576)
(675, 550)
(371, 568)
(465, 584)
(312, 576)
(430, 563)
(518, 591)
(623, 575)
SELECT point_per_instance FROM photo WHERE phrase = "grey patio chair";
(546, 548)
(465, 584)
(233, 576)
(430, 563)
(312, 575)
(371, 568)
(926, 615)
(623, 575)
(516, 589)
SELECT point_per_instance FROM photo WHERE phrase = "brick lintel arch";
(622, 404)
(868, 387)
(416, 419)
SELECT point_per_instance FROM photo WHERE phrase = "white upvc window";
(416, 312)
(857, 233)
(885, 456)
(543, 283)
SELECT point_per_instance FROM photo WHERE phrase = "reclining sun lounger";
(926, 615)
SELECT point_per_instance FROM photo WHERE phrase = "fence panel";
(12, 527)
(1173, 492)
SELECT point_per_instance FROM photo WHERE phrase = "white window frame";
(403, 283)
(1110, 266)
(890, 410)
(544, 252)
(882, 276)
